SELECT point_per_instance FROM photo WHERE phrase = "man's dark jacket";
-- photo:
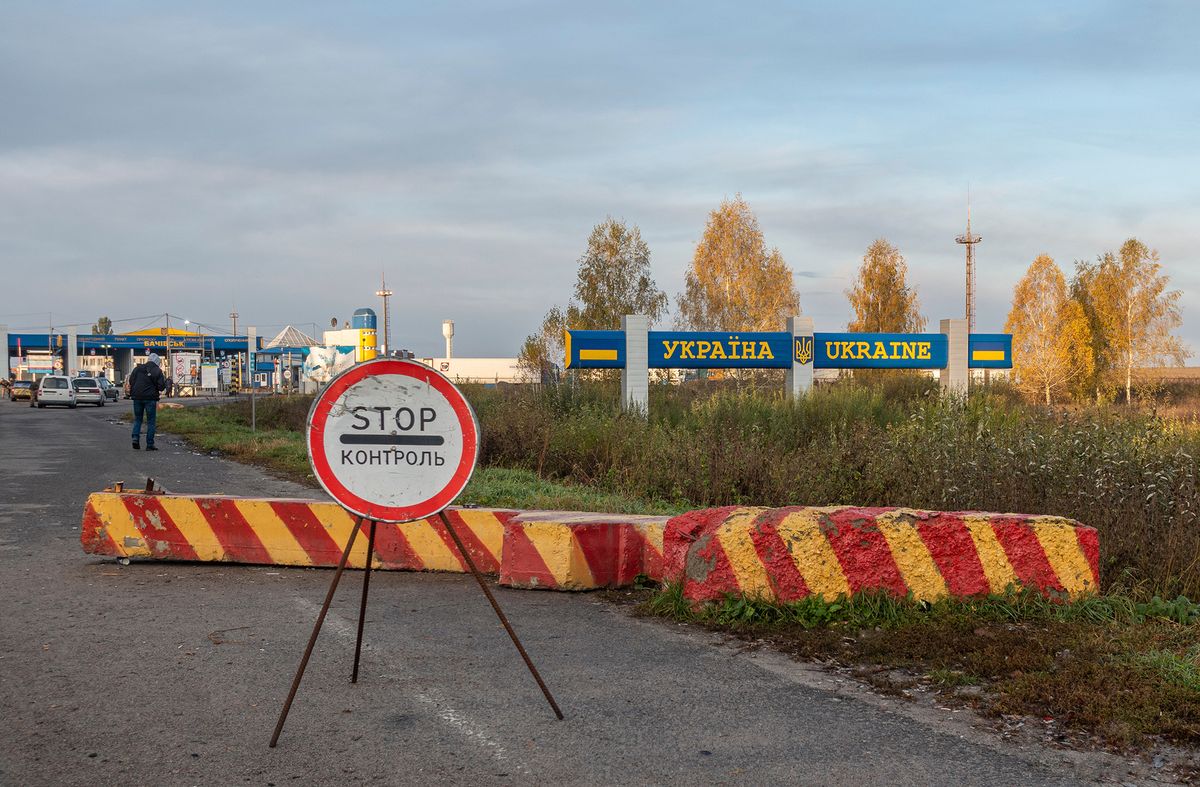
(146, 381)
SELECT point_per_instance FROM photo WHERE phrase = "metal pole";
(462, 550)
(312, 640)
(362, 609)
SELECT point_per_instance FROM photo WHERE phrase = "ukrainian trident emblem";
(804, 350)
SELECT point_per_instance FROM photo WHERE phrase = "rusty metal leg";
(462, 550)
(312, 640)
(362, 609)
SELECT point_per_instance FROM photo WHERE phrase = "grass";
(1108, 665)
(278, 446)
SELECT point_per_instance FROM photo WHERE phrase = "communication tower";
(969, 240)
(385, 293)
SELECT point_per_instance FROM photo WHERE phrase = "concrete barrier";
(790, 553)
(553, 550)
(562, 550)
(769, 553)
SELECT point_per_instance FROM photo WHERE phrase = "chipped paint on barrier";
(790, 553)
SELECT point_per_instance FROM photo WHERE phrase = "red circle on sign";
(318, 416)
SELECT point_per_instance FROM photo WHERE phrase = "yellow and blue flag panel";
(989, 351)
(595, 349)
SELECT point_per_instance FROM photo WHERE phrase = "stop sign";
(392, 440)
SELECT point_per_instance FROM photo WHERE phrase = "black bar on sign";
(391, 439)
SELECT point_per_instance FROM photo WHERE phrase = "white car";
(88, 391)
(54, 389)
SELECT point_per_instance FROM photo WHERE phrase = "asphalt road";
(172, 673)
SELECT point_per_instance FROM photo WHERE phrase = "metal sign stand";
(362, 613)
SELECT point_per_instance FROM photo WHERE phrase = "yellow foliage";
(734, 283)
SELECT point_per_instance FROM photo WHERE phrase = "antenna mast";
(969, 240)
(385, 293)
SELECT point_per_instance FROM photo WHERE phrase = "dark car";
(21, 389)
(111, 392)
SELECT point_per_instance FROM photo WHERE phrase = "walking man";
(146, 381)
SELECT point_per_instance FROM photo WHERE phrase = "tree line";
(1080, 339)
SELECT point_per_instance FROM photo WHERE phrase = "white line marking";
(457, 720)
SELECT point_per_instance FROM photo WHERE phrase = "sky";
(280, 157)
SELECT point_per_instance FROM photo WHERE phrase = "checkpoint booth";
(196, 362)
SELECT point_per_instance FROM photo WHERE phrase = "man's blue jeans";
(149, 409)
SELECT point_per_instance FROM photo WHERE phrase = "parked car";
(88, 391)
(20, 389)
(111, 392)
(54, 389)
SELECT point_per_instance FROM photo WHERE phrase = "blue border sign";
(880, 351)
(780, 350)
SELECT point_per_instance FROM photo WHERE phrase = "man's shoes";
(151, 448)
(136, 445)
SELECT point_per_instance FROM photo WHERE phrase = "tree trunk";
(1047, 393)
(1129, 381)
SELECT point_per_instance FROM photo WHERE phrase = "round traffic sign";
(392, 440)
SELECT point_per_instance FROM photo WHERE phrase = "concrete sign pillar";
(72, 361)
(954, 376)
(4, 362)
(635, 377)
(800, 375)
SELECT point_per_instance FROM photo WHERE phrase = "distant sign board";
(392, 440)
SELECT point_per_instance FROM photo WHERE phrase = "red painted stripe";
(708, 573)
(392, 547)
(1025, 552)
(157, 528)
(862, 550)
(1089, 542)
(521, 563)
(950, 544)
(94, 536)
(237, 538)
(787, 582)
(475, 547)
(683, 531)
(604, 549)
(302, 522)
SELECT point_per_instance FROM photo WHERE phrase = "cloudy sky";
(183, 157)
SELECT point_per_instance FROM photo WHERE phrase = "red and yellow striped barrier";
(790, 553)
(279, 532)
(559, 551)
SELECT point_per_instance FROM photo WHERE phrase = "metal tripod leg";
(500, 614)
(362, 609)
(312, 640)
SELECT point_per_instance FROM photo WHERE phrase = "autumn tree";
(735, 283)
(1133, 310)
(1052, 339)
(102, 327)
(881, 298)
(613, 280)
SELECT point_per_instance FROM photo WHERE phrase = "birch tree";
(613, 280)
(735, 283)
(1052, 340)
(881, 298)
(1134, 311)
